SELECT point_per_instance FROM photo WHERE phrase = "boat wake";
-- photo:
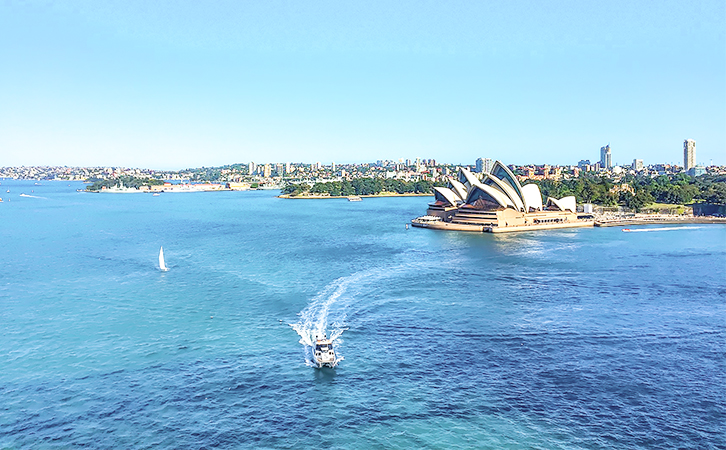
(316, 319)
(327, 311)
(32, 196)
(638, 230)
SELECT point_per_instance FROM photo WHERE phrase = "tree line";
(676, 189)
(361, 186)
(127, 180)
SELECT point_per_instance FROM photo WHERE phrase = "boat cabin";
(324, 353)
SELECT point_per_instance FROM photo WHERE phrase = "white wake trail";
(640, 230)
(326, 313)
(314, 318)
(32, 196)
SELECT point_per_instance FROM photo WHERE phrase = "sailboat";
(162, 266)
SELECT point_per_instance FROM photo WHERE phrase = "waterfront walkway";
(615, 220)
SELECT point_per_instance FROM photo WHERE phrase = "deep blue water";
(572, 339)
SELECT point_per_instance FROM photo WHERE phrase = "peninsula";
(496, 202)
(360, 187)
(380, 194)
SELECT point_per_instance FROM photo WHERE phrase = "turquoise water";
(590, 338)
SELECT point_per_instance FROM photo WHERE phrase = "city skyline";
(174, 86)
(481, 164)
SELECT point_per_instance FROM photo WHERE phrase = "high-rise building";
(484, 165)
(637, 164)
(287, 168)
(267, 171)
(332, 166)
(606, 157)
(252, 168)
(689, 154)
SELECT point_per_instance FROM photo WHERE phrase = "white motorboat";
(324, 354)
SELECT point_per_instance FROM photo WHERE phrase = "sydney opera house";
(496, 202)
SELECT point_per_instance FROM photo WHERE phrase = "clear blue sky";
(169, 85)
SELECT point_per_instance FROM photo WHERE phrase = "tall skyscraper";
(606, 157)
(689, 154)
(479, 165)
(637, 164)
(252, 168)
(267, 171)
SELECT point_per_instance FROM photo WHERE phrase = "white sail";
(162, 266)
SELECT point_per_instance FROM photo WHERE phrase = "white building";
(689, 154)
(484, 165)
(497, 203)
(606, 157)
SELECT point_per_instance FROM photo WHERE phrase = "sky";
(179, 84)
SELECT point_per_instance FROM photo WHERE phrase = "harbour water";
(565, 339)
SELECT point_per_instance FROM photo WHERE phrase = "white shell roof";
(469, 177)
(532, 196)
(446, 195)
(458, 188)
(563, 204)
(502, 172)
(494, 193)
(491, 180)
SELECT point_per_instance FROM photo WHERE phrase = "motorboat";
(324, 354)
(626, 229)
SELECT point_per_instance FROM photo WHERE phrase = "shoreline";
(660, 221)
(318, 197)
(456, 226)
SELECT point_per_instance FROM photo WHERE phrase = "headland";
(496, 202)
